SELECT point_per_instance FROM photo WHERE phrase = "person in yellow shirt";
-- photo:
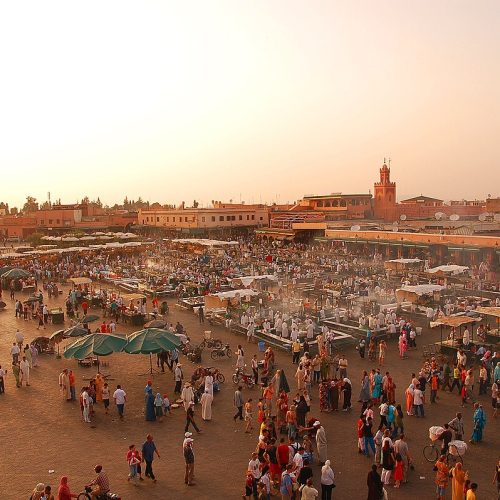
(295, 351)
(471, 492)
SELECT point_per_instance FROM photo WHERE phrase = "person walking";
(178, 378)
(120, 397)
(16, 371)
(148, 451)
(479, 420)
(327, 481)
(187, 449)
(190, 418)
(24, 368)
(133, 462)
(375, 485)
(442, 474)
(85, 403)
(238, 403)
(321, 442)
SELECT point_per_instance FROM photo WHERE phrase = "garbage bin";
(262, 346)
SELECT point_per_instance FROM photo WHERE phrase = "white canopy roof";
(233, 293)
(405, 261)
(421, 289)
(205, 242)
(449, 269)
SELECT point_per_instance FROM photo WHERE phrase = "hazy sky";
(267, 100)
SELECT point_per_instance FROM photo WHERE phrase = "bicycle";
(432, 452)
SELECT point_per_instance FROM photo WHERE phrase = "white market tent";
(222, 299)
(412, 293)
(449, 270)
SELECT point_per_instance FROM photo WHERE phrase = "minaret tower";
(385, 195)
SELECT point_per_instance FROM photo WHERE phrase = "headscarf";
(458, 472)
(64, 490)
(326, 469)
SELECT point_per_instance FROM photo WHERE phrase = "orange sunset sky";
(259, 100)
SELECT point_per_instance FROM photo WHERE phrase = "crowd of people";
(291, 456)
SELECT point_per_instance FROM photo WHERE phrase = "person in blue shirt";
(148, 451)
(286, 486)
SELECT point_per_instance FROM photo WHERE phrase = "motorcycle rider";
(99, 485)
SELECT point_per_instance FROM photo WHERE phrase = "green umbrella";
(57, 335)
(95, 344)
(76, 331)
(151, 341)
(89, 319)
(15, 274)
(284, 382)
(3, 270)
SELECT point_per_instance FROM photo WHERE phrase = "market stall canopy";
(412, 293)
(80, 281)
(16, 274)
(96, 344)
(205, 242)
(489, 311)
(132, 296)
(246, 281)
(451, 270)
(222, 299)
(397, 264)
(453, 321)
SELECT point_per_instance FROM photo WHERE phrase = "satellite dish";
(496, 217)
(355, 228)
(395, 223)
(482, 217)
(438, 215)
(402, 217)
(454, 217)
(395, 229)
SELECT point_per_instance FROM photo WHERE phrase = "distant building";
(66, 218)
(200, 220)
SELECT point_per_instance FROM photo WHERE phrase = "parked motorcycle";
(221, 352)
(240, 377)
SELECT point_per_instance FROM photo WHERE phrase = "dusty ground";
(41, 432)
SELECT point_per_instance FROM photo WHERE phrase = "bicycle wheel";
(217, 344)
(83, 496)
(236, 379)
(221, 378)
(431, 453)
(214, 354)
(229, 353)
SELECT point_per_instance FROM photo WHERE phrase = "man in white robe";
(206, 405)
(24, 368)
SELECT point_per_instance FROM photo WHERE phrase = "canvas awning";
(80, 281)
(489, 311)
(453, 321)
(132, 296)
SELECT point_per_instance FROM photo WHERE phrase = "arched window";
(319, 204)
(327, 204)
(335, 203)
